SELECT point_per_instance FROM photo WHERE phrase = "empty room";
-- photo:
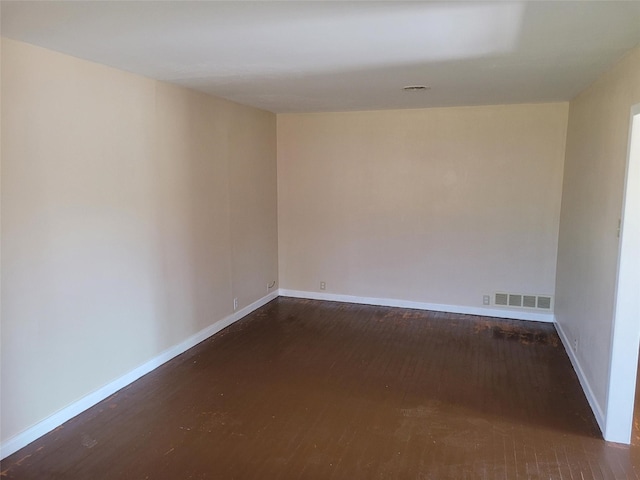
(312, 240)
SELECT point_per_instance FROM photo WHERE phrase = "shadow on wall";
(191, 197)
(116, 239)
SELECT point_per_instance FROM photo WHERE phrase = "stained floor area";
(305, 389)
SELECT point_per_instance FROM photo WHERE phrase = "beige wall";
(438, 205)
(595, 164)
(133, 212)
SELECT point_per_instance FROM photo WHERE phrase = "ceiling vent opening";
(416, 88)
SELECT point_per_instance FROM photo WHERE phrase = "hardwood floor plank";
(321, 390)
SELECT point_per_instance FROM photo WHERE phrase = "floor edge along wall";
(50, 423)
(436, 307)
(584, 383)
(41, 428)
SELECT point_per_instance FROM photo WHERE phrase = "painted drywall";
(133, 212)
(595, 164)
(440, 206)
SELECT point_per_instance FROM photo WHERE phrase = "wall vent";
(515, 300)
(529, 301)
(543, 302)
(501, 299)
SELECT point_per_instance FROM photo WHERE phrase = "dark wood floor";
(320, 390)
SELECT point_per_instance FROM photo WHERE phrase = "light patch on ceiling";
(297, 56)
(376, 37)
(244, 39)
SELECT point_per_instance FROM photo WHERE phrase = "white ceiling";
(337, 55)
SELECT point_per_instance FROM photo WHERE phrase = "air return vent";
(515, 300)
(544, 302)
(524, 301)
(502, 299)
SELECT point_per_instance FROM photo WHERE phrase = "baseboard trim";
(388, 302)
(584, 383)
(43, 427)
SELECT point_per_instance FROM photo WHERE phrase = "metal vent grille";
(529, 301)
(502, 299)
(544, 302)
(521, 300)
(515, 300)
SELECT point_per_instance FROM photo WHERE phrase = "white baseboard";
(22, 439)
(388, 302)
(488, 312)
(586, 387)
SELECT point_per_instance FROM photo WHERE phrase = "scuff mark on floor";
(19, 462)
(88, 442)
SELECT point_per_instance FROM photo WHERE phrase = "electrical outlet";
(235, 304)
(575, 345)
(323, 286)
(486, 300)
